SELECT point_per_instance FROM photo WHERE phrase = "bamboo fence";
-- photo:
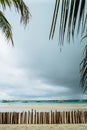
(51, 117)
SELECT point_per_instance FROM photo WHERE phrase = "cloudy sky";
(35, 68)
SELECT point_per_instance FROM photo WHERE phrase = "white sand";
(44, 127)
(42, 107)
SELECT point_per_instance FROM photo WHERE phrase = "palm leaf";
(5, 3)
(75, 9)
(54, 19)
(83, 71)
(70, 19)
(84, 25)
(20, 6)
(62, 19)
(6, 27)
(75, 16)
(82, 9)
(23, 9)
(72, 12)
(65, 18)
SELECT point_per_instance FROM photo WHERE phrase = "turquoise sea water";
(41, 102)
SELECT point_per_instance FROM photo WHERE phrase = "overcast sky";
(35, 68)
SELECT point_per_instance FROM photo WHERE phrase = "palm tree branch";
(83, 70)
(82, 9)
(6, 27)
(62, 20)
(75, 16)
(23, 9)
(70, 19)
(75, 6)
(65, 18)
(53, 25)
(5, 3)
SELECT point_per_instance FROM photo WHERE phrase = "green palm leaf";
(70, 19)
(21, 8)
(69, 8)
(6, 27)
(82, 9)
(54, 19)
(5, 3)
(75, 9)
(83, 70)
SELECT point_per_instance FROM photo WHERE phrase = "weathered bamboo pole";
(0, 118)
(41, 117)
(32, 116)
(37, 117)
(47, 116)
(63, 117)
(28, 117)
(52, 117)
(56, 119)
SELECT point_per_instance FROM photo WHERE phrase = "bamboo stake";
(0, 118)
(28, 117)
(37, 117)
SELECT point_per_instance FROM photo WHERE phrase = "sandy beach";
(43, 107)
(44, 127)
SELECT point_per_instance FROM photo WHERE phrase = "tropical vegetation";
(73, 18)
(4, 24)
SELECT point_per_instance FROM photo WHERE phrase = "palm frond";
(23, 9)
(5, 3)
(72, 12)
(75, 16)
(65, 18)
(70, 19)
(83, 71)
(69, 8)
(54, 20)
(6, 27)
(84, 25)
(62, 20)
(82, 9)
(20, 6)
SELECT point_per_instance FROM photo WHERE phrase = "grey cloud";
(36, 68)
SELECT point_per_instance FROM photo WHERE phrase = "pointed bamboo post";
(8, 117)
(51, 117)
(28, 117)
(37, 117)
(22, 118)
(3, 118)
(47, 117)
(63, 117)
(25, 117)
(41, 117)
(56, 118)
(32, 116)
(0, 117)
(19, 118)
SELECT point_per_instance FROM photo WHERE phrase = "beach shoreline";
(43, 107)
